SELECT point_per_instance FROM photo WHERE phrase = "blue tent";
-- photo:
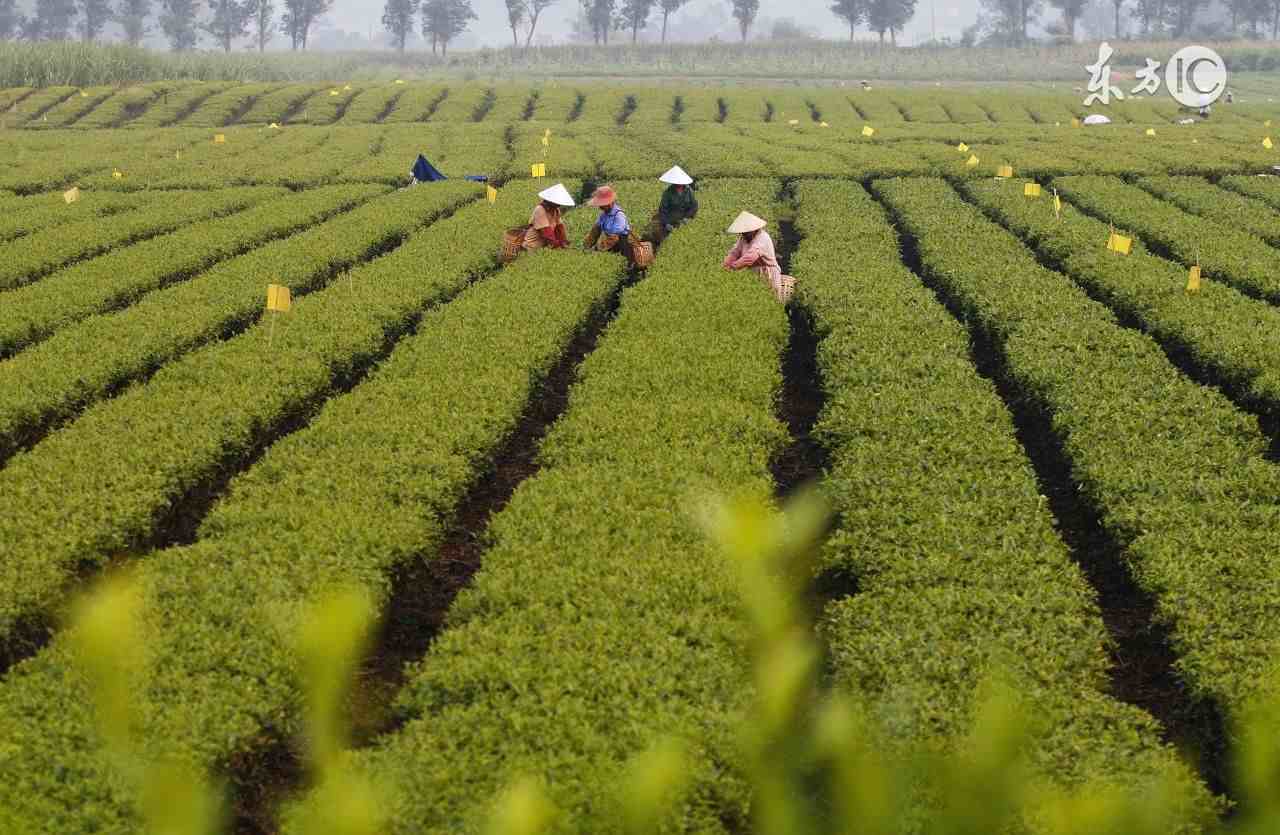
(425, 172)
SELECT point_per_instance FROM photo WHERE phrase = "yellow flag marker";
(278, 298)
(972, 161)
(1267, 143)
(1119, 243)
(793, 121)
(1075, 123)
(546, 142)
(333, 92)
(1193, 279)
(1004, 171)
(1057, 205)
(962, 148)
(71, 195)
(274, 126)
(219, 139)
(1267, 124)
(399, 80)
(546, 134)
(867, 130)
(118, 174)
(823, 125)
(83, 94)
(347, 87)
(538, 169)
(491, 194)
(1031, 190)
(1150, 131)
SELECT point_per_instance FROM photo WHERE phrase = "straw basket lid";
(747, 222)
(557, 194)
(603, 196)
(676, 177)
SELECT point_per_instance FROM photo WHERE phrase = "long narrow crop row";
(1201, 486)
(103, 485)
(464, 103)
(593, 626)
(83, 362)
(70, 109)
(1200, 197)
(246, 157)
(1236, 337)
(970, 568)
(1266, 189)
(1224, 251)
(35, 256)
(417, 103)
(124, 275)
(34, 106)
(126, 104)
(178, 104)
(40, 212)
(222, 107)
(369, 103)
(279, 103)
(370, 486)
(327, 105)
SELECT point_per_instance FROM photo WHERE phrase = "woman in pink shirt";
(754, 249)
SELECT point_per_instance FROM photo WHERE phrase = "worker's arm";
(746, 258)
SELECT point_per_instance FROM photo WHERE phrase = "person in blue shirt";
(612, 230)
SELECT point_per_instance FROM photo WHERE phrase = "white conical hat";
(557, 194)
(747, 222)
(1096, 119)
(676, 177)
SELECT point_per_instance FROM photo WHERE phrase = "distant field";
(1039, 450)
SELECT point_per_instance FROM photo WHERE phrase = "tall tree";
(52, 21)
(1275, 20)
(889, 16)
(1118, 4)
(179, 24)
(94, 17)
(10, 20)
(1071, 11)
(851, 12)
(1009, 19)
(298, 18)
(397, 19)
(517, 10)
(745, 11)
(1182, 14)
(599, 16)
(635, 16)
(262, 22)
(670, 7)
(230, 21)
(132, 17)
(443, 20)
(536, 8)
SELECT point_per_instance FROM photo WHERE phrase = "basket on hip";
(512, 243)
(642, 253)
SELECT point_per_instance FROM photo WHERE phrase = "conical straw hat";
(603, 196)
(747, 222)
(557, 194)
(676, 177)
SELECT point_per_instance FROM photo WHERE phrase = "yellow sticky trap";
(1057, 205)
(962, 148)
(1267, 123)
(867, 130)
(273, 126)
(219, 139)
(117, 174)
(793, 121)
(538, 169)
(347, 87)
(1150, 131)
(1193, 279)
(1075, 123)
(333, 92)
(83, 94)
(71, 195)
(823, 125)
(491, 194)
(1119, 243)
(546, 142)
(1267, 143)
(1031, 190)
(546, 134)
(972, 161)
(399, 80)
(278, 298)
(1004, 171)
(177, 155)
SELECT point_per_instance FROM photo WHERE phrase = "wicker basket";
(786, 288)
(512, 243)
(642, 254)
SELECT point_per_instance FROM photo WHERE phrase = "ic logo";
(1196, 76)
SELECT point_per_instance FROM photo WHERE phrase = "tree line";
(1005, 22)
(180, 21)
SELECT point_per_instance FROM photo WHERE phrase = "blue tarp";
(425, 172)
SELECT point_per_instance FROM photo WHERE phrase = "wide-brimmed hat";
(746, 222)
(603, 196)
(557, 194)
(676, 177)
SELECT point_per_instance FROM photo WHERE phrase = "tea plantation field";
(1041, 453)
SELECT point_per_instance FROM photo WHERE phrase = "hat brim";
(747, 222)
(557, 194)
(676, 177)
(600, 201)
